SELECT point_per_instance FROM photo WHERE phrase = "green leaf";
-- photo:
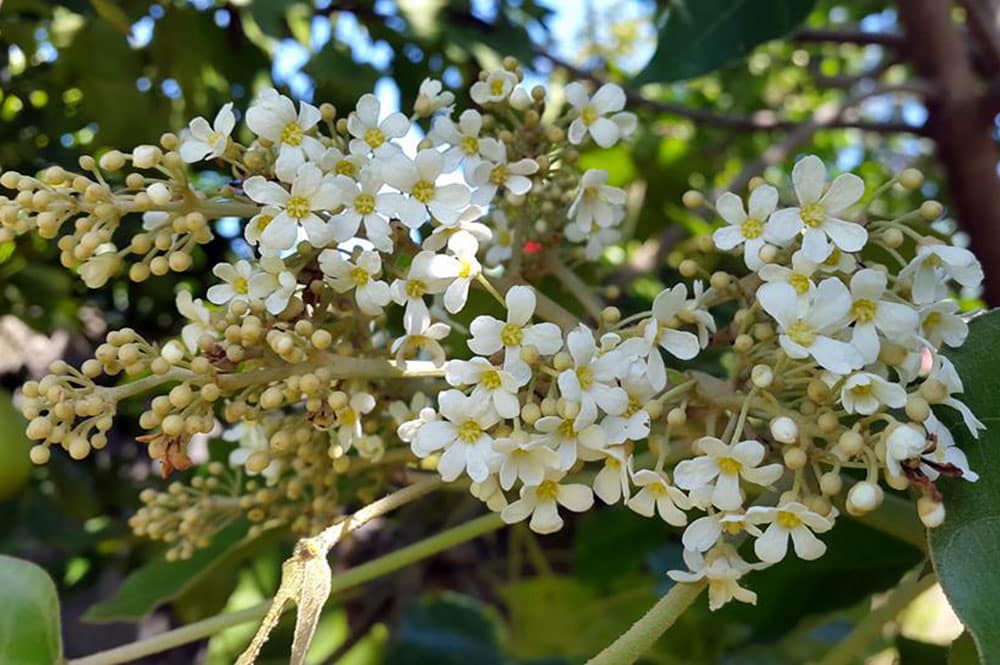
(15, 465)
(29, 629)
(966, 546)
(963, 651)
(161, 581)
(915, 652)
(449, 629)
(702, 35)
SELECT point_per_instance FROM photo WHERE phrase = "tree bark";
(961, 125)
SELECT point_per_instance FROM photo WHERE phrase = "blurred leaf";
(113, 14)
(702, 35)
(970, 534)
(915, 652)
(963, 651)
(161, 581)
(29, 632)
(15, 465)
(449, 629)
(598, 538)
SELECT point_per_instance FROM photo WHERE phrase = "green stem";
(637, 640)
(849, 650)
(340, 583)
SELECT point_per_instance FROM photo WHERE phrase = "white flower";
(273, 284)
(723, 568)
(799, 275)
(945, 455)
(597, 203)
(252, 438)
(432, 97)
(429, 273)
(489, 492)
(703, 533)
(369, 134)
(657, 495)
(418, 180)
(596, 238)
(633, 424)
(489, 334)
(349, 426)
(818, 208)
(310, 192)
(721, 468)
(335, 162)
(939, 324)
(237, 283)
(257, 225)
(592, 380)
(99, 268)
(273, 117)
(934, 265)
(362, 204)
(370, 293)
(694, 311)
(587, 443)
(752, 230)
(898, 322)
(904, 442)
(421, 335)
(464, 247)
(806, 325)
(462, 435)
(793, 520)
(609, 99)
(542, 502)
(463, 139)
(494, 385)
(497, 86)
(495, 172)
(659, 332)
(466, 224)
(208, 141)
(525, 457)
(199, 320)
(611, 483)
(866, 393)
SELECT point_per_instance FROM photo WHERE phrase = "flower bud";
(96, 271)
(931, 512)
(863, 498)
(784, 430)
(146, 156)
(693, 199)
(795, 458)
(931, 210)
(917, 408)
(762, 376)
(850, 443)
(911, 178)
(158, 193)
(830, 483)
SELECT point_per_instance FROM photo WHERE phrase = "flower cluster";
(380, 275)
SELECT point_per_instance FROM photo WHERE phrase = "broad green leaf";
(702, 35)
(963, 651)
(449, 629)
(915, 652)
(965, 548)
(15, 465)
(161, 581)
(29, 620)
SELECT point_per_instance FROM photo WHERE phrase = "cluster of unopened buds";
(368, 263)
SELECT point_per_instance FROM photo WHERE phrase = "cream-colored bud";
(768, 253)
(864, 497)
(931, 210)
(795, 458)
(146, 156)
(693, 199)
(892, 238)
(830, 483)
(113, 160)
(158, 193)
(720, 280)
(677, 417)
(762, 376)
(40, 454)
(562, 361)
(911, 178)
(827, 422)
(530, 413)
(688, 268)
(917, 408)
(934, 391)
(931, 512)
(850, 443)
(784, 430)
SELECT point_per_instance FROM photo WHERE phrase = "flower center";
(861, 390)
(585, 376)
(347, 416)
(633, 407)
(547, 491)
(800, 283)
(511, 334)
(802, 333)
(469, 431)
(263, 221)
(498, 175)
(464, 268)
(933, 320)
(728, 465)
(834, 259)
(589, 115)
(612, 463)
(364, 204)
(241, 285)
(732, 528)
(297, 207)
(788, 520)
(423, 191)
(214, 137)
(374, 137)
(751, 228)
(344, 167)
(415, 288)
(359, 276)
(292, 134)
(863, 310)
(812, 215)
(470, 145)
(658, 490)
(496, 87)
(566, 430)
(490, 379)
